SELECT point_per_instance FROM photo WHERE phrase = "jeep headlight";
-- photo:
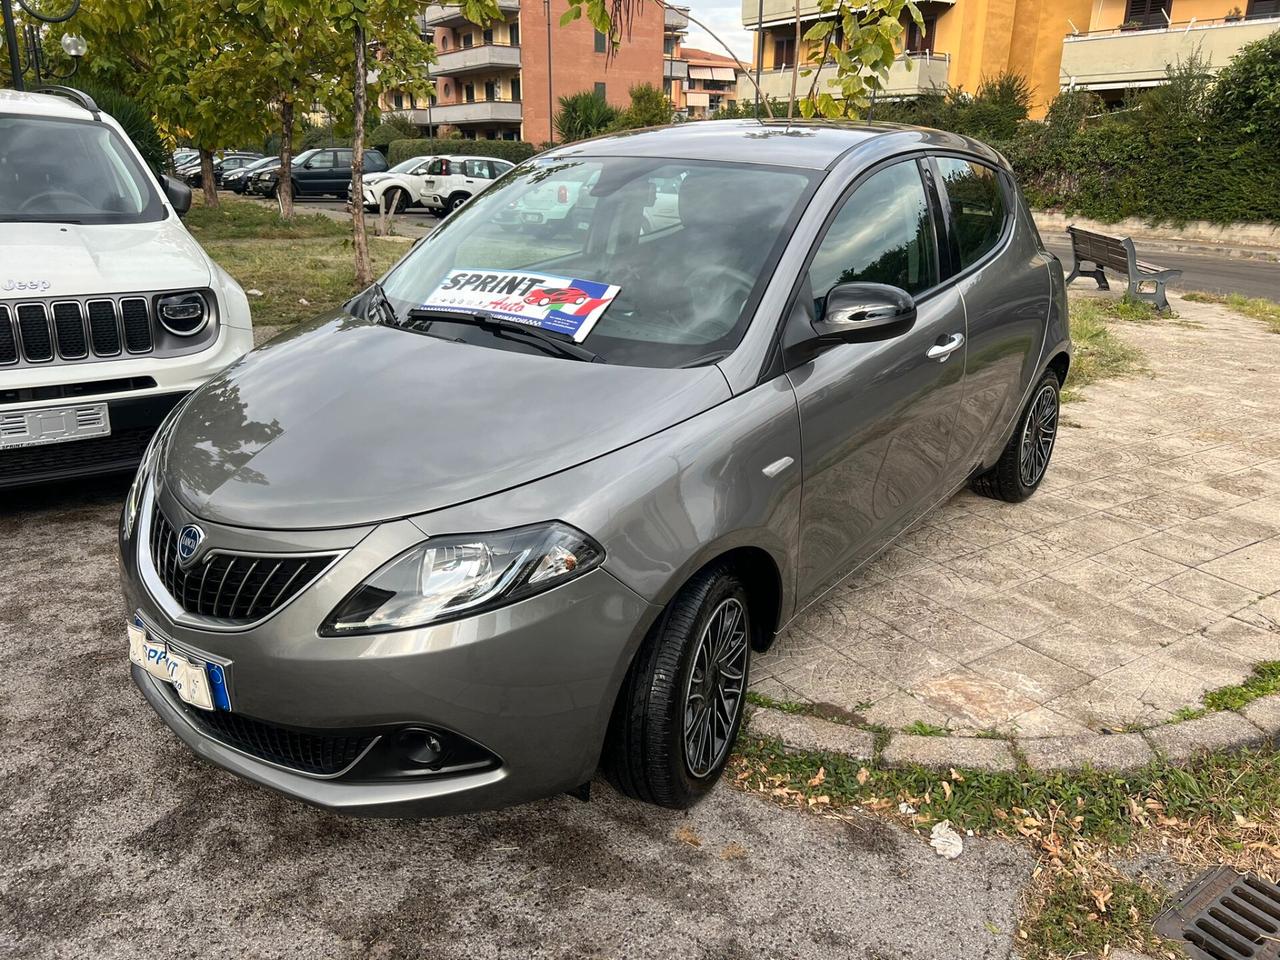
(446, 578)
(183, 314)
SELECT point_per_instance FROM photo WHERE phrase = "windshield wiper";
(502, 327)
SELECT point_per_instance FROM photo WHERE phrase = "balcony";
(484, 58)
(675, 69)
(676, 19)
(926, 72)
(449, 15)
(1118, 59)
(461, 114)
(784, 11)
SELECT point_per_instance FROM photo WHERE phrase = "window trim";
(953, 242)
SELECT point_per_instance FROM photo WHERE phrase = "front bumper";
(533, 683)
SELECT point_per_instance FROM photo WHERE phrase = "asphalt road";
(115, 842)
(1210, 270)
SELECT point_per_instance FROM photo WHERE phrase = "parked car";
(184, 155)
(237, 180)
(110, 312)
(262, 182)
(449, 182)
(221, 167)
(563, 548)
(401, 186)
(324, 172)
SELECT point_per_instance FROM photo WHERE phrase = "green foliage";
(1247, 94)
(134, 118)
(513, 150)
(649, 108)
(246, 220)
(395, 127)
(747, 110)
(1167, 156)
(320, 137)
(1264, 681)
(871, 34)
(584, 115)
(1068, 923)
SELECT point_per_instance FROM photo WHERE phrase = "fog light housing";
(421, 747)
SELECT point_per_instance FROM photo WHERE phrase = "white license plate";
(188, 677)
(34, 428)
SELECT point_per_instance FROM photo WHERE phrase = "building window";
(668, 46)
(784, 53)
(469, 93)
(467, 40)
(488, 35)
(1148, 13)
(444, 42)
(1264, 8)
(921, 40)
(513, 32)
(515, 89)
(601, 42)
(490, 90)
(600, 90)
(398, 99)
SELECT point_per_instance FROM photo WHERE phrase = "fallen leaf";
(863, 776)
(817, 778)
(946, 789)
(686, 834)
(733, 851)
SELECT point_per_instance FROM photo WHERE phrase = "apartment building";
(504, 81)
(711, 84)
(1105, 45)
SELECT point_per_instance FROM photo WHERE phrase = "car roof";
(41, 105)
(814, 145)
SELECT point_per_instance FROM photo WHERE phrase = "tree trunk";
(206, 178)
(364, 269)
(284, 188)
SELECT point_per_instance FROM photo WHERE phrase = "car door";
(475, 175)
(1003, 276)
(315, 172)
(877, 416)
(340, 173)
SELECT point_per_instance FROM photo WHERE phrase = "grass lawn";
(307, 258)
(1098, 354)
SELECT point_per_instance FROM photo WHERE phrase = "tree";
(583, 115)
(649, 108)
(171, 56)
(1246, 96)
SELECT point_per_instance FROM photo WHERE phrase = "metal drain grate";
(1225, 915)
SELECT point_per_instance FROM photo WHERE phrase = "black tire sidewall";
(1048, 380)
(723, 586)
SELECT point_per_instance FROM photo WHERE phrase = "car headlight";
(133, 500)
(446, 578)
(183, 314)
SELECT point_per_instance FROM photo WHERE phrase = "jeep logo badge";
(11, 284)
(189, 540)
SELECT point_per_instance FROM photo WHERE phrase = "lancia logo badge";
(189, 540)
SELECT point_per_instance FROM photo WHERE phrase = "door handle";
(941, 351)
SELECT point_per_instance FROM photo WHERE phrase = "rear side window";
(882, 234)
(477, 168)
(977, 206)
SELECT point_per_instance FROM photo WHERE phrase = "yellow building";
(1107, 45)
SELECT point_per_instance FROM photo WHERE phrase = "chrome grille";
(234, 587)
(68, 328)
(104, 331)
(8, 342)
(137, 325)
(33, 328)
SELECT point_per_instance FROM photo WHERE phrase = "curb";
(1256, 723)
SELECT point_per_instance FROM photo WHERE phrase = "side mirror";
(854, 308)
(179, 195)
(306, 165)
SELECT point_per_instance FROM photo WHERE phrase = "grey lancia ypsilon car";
(525, 508)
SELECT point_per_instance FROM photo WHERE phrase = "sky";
(725, 18)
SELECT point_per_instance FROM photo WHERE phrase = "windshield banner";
(560, 304)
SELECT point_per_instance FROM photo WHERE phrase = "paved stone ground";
(1145, 572)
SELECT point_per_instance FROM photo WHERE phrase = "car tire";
(658, 749)
(1025, 459)
(399, 201)
(457, 200)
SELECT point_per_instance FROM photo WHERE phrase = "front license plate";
(200, 683)
(34, 428)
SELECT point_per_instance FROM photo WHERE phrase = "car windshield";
(264, 162)
(303, 157)
(666, 257)
(404, 166)
(71, 171)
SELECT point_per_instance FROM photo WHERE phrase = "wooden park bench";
(1118, 253)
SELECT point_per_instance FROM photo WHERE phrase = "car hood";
(85, 259)
(345, 422)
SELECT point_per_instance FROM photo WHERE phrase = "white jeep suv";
(110, 312)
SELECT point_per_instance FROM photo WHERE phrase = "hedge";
(513, 150)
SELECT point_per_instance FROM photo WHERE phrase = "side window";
(438, 167)
(977, 206)
(882, 234)
(322, 160)
(477, 168)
